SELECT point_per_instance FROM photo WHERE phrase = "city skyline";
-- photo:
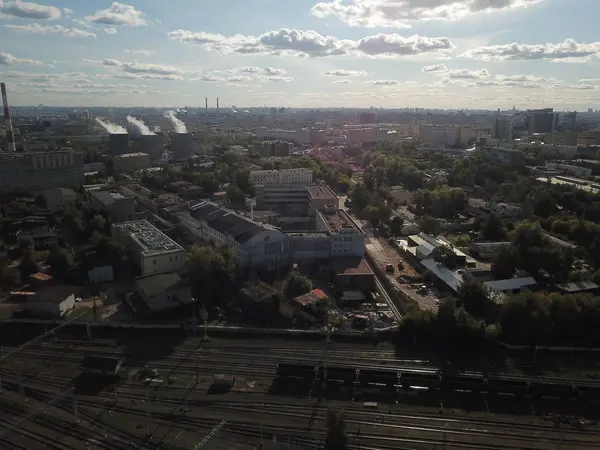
(393, 54)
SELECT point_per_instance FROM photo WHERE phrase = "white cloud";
(312, 44)
(567, 51)
(274, 71)
(400, 13)
(140, 52)
(27, 10)
(68, 11)
(249, 69)
(435, 68)
(209, 78)
(520, 78)
(576, 86)
(238, 79)
(279, 78)
(342, 82)
(36, 28)
(43, 76)
(466, 74)
(135, 70)
(382, 82)
(118, 14)
(345, 73)
(7, 59)
(110, 30)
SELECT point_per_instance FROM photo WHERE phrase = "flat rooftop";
(131, 155)
(338, 221)
(107, 197)
(321, 191)
(150, 239)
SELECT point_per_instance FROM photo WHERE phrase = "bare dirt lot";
(385, 254)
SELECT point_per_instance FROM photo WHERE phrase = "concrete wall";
(161, 263)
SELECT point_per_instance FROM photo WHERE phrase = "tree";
(336, 432)
(236, 197)
(396, 225)
(211, 271)
(493, 229)
(430, 225)
(60, 261)
(27, 265)
(505, 262)
(297, 285)
(475, 298)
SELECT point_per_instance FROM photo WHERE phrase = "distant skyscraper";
(540, 120)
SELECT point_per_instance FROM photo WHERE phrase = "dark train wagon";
(424, 379)
(459, 382)
(552, 389)
(507, 386)
(101, 365)
(588, 392)
(339, 374)
(389, 378)
(296, 371)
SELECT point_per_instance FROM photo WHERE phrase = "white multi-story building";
(346, 236)
(256, 245)
(153, 251)
(276, 177)
(438, 135)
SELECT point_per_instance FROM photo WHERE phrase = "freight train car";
(339, 374)
(296, 371)
(390, 378)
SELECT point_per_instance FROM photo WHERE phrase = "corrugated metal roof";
(512, 284)
(451, 277)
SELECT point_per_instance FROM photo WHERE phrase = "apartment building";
(153, 251)
(256, 245)
(278, 177)
(30, 172)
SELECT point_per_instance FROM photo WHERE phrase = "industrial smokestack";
(10, 135)
(140, 126)
(217, 106)
(177, 123)
(110, 127)
(206, 105)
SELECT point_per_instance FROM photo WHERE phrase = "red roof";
(313, 296)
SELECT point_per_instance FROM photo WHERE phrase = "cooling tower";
(119, 144)
(150, 144)
(182, 146)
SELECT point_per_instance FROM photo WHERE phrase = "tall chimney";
(206, 105)
(217, 106)
(10, 135)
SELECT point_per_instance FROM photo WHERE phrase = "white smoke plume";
(110, 127)
(177, 123)
(141, 126)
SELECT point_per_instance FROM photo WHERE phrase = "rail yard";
(239, 393)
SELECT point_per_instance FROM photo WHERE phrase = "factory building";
(118, 207)
(151, 145)
(183, 146)
(28, 172)
(287, 200)
(119, 144)
(131, 162)
(320, 197)
(256, 245)
(278, 177)
(347, 238)
(153, 251)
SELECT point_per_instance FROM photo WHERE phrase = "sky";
(475, 54)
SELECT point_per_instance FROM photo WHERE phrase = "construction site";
(148, 389)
